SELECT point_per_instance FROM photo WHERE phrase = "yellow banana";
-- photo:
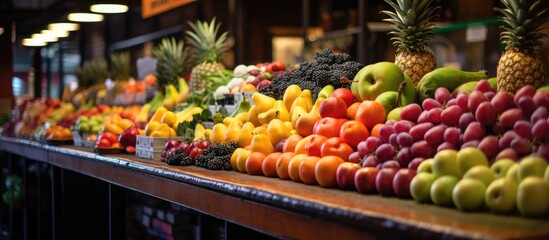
(143, 115)
(199, 132)
(183, 90)
(170, 100)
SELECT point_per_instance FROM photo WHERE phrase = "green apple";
(481, 173)
(388, 100)
(446, 163)
(512, 173)
(375, 79)
(469, 157)
(468, 194)
(441, 190)
(500, 167)
(426, 166)
(84, 127)
(501, 196)
(531, 167)
(408, 94)
(395, 114)
(96, 128)
(533, 197)
(420, 187)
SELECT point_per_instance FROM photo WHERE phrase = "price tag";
(476, 33)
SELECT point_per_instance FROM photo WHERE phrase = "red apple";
(328, 127)
(333, 107)
(384, 181)
(280, 145)
(365, 180)
(263, 84)
(195, 152)
(278, 66)
(344, 94)
(391, 164)
(336, 147)
(110, 137)
(204, 144)
(345, 175)
(185, 147)
(401, 182)
(103, 143)
(169, 144)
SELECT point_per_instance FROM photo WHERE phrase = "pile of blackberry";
(327, 69)
(177, 157)
(217, 156)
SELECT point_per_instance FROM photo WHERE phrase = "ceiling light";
(64, 26)
(58, 34)
(85, 17)
(109, 8)
(44, 37)
(31, 42)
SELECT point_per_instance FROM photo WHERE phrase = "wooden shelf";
(281, 208)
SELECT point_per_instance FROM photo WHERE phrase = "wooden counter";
(278, 207)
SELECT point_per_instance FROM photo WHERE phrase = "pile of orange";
(58, 132)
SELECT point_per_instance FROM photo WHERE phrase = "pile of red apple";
(107, 140)
(193, 149)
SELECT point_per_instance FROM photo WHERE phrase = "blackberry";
(186, 160)
(201, 161)
(175, 159)
(234, 145)
(216, 163)
(227, 166)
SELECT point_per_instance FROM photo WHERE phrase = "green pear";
(377, 78)
(394, 114)
(408, 94)
(388, 100)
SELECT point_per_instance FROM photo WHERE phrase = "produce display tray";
(58, 142)
(102, 151)
(152, 142)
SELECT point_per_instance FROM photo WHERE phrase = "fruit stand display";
(440, 136)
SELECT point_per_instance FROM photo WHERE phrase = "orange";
(325, 171)
(351, 110)
(310, 145)
(307, 170)
(375, 130)
(248, 88)
(269, 165)
(293, 166)
(353, 132)
(282, 165)
(291, 142)
(370, 113)
(254, 163)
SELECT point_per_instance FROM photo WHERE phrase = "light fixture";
(44, 37)
(31, 42)
(109, 8)
(85, 17)
(63, 26)
(57, 34)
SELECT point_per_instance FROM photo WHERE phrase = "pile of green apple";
(465, 180)
(92, 124)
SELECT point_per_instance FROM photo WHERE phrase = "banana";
(143, 114)
(156, 101)
(170, 100)
(199, 132)
(186, 115)
(183, 90)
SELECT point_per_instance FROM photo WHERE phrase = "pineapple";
(208, 48)
(120, 63)
(411, 32)
(172, 62)
(521, 63)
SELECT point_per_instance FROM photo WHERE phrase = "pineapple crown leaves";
(94, 72)
(120, 68)
(411, 27)
(203, 37)
(522, 20)
(172, 61)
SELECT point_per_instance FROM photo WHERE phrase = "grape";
(510, 117)
(444, 146)
(523, 128)
(527, 90)
(505, 140)
(370, 161)
(489, 146)
(474, 131)
(442, 95)
(527, 105)
(423, 149)
(385, 132)
(415, 163)
(385, 152)
(472, 143)
(502, 101)
(475, 99)
(430, 103)
(404, 157)
(423, 117)
(434, 115)
(390, 122)
(485, 114)
(507, 153)
(483, 86)
(521, 145)
(451, 102)
(451, 135)
(410, 112)
(543, 151)
(540, 113)
(435, 135)
(540, 130)
(541, 99)
(462, 101)
(450, 116)
(465, 120)
(393, 139)
(403, 126)
(498, 128)
(371, 143)
(404, 140)
(489, 95)
(418, 131)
